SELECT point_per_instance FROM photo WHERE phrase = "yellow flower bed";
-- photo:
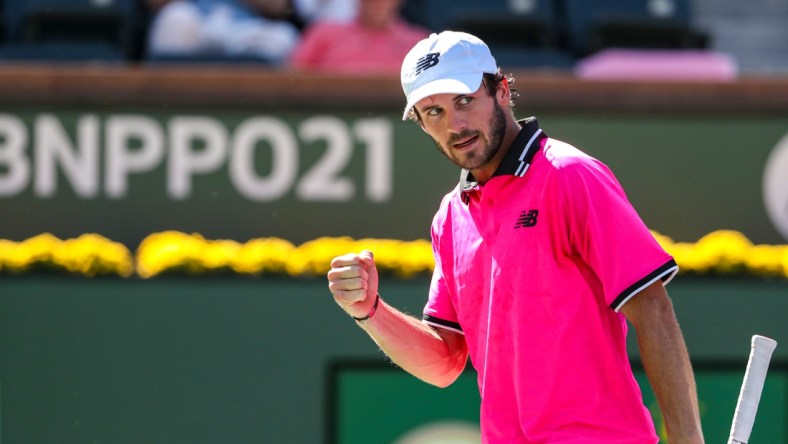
(88, 255)
(174, 251)
(727, 252)
(722, 252)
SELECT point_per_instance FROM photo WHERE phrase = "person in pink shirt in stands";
(375, 42)
(540, 261)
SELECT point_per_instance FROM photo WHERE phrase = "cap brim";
(459, 84)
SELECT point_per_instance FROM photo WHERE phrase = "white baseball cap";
(447, 63)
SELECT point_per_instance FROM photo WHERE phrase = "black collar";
(517, 159)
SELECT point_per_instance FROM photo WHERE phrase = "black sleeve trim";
(665, 273)
(432, 320)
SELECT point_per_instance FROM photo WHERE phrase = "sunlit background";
(176, 175)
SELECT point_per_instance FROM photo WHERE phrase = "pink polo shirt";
(533, 267)
(350, 48)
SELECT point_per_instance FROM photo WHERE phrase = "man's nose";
(457, 122)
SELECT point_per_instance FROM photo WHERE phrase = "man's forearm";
(667, 365)
(435, 357)
(432, 357)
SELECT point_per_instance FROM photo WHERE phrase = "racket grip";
(752, 386)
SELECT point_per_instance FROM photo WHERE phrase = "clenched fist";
(353, 280)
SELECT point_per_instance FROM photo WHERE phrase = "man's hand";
(353, 280)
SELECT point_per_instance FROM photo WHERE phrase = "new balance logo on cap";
(527, 219)
(427, 62)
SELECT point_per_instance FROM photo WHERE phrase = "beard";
(475, 159)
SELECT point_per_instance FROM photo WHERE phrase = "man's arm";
(435, 356)
(666, 362)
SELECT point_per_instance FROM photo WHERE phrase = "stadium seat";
(509, 57)
(2, 20)
(206, 59)
(62, 51)
(647, 24)
(520, 33)
(46, 24)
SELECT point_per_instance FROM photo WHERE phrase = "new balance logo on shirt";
(527, 219)
(427, 62)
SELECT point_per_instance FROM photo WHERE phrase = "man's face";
(467, 128)
(378, 13)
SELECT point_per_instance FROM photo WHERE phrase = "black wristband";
(371, 311)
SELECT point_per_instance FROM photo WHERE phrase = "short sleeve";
(606, 231)
(439, 310)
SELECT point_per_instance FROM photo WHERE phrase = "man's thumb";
(367, 258)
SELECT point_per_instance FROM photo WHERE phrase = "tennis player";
(540, 260)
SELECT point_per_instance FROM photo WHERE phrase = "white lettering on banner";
(322, 181)
(185, 161)
(775, 186)
(53, 148)
(14, 166)
(190, 146)
(122, 159)
(378, 137)
(284, 166)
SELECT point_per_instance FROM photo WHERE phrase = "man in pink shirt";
(375, 42)
(540, 260)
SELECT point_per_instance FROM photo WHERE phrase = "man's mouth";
(466, 143)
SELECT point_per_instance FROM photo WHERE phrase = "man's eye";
(433, 111)
(465, 100)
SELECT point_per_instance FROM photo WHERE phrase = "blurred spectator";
(376, 41)
(242, 28)
(312, 11)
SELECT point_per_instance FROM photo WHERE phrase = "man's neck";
(483, 174)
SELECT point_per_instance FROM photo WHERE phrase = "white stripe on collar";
(523, 165)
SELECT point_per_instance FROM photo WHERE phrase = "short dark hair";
(491, 82)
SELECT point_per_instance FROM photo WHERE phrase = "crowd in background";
(700, 39)
(350, 36)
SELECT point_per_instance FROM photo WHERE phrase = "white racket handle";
(751, 388)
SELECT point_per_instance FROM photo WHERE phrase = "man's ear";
(418, 119)
(504, 94)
